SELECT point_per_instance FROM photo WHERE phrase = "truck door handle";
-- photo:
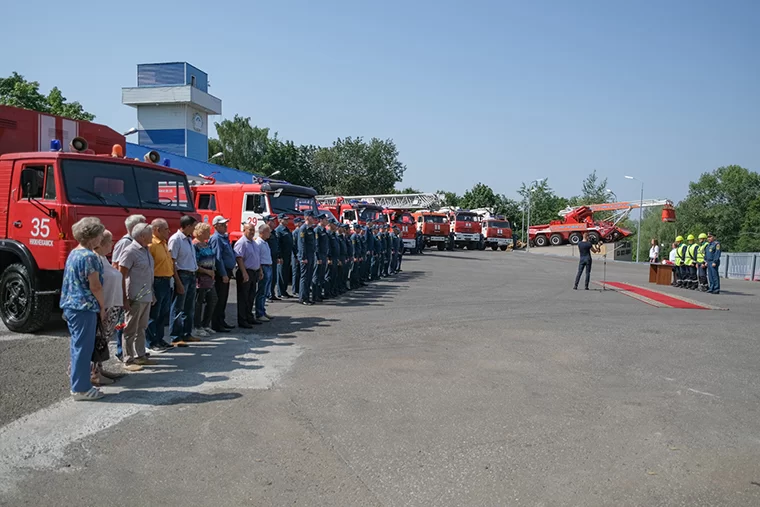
(17, 224)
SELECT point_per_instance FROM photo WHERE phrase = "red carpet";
(659, 297)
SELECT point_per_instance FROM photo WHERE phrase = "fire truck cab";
(248, 202)
(465, 229)
(497, 233)
(434, 227)
(42, 194)
(406, 224)
(352, 211)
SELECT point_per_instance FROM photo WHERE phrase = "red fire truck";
(43, 193)
(354, 211)
(434, 227)
(247, 202)
(466, 228)
(406, 224)
(497, 233)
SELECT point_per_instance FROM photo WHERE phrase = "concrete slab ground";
(472, 378)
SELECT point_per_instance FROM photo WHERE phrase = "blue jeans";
(82, 324)
(183, 308)
(159, 313)
(265, 288)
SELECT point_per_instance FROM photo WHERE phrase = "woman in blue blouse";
(82, 303)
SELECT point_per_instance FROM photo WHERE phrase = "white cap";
(220, 220)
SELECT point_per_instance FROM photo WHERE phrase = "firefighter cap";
(283, 216)
(309, 213)
(219, 220)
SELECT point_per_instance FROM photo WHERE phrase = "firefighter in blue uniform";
(400, 250)
(377, 259)
(356, 256)
(712, 259)
(347, 254)
(333, 260)
(294, 264)
(365, 255)
(285, 247)
(306, 255)
(323, 245)
(369, 239)
(394, 250)
(388, 250)
(274, 248)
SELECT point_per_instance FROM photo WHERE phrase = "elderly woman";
(206, 293)
(82, 302)
(113, 299)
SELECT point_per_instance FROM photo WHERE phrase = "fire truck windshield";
(114, 184)
(435, 219)
(288, 203)
(497, 224)
(369, 214)
(404, 218)
(462, 217)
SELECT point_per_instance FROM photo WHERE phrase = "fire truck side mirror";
(30, 182)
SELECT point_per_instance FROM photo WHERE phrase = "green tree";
(593, 191)
(749, 238)
(482, 196)
(18, 92)
(450, 199)
(243, 145)
(545, 205)
(720, 202)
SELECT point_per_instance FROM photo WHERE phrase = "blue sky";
(495, 91)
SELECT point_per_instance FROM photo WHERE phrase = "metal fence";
(742, 266)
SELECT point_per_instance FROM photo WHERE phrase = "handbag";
(100, 353)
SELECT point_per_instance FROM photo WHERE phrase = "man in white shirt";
(263, 232)
(183, 303)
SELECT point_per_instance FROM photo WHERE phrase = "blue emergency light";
(167, 162)
(55, 145)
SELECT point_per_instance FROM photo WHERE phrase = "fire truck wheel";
(503, 248)
(594, 237)
(22, 311)
(575, 238)
(494, 247)
(441, 247)
(541, 240)
(556, 239)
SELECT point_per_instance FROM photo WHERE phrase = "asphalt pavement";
(472, 378)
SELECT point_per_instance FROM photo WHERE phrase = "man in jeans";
(136, 267)
(584, 250)
(183, 304)
(263, 233)
(163, 274)
(223, 268)
(248, 276)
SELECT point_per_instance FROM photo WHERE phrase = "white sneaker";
(200, 332)
(209, 330)
(263, 318)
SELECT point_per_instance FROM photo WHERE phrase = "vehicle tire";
(541, 240)
(594, 237)
(494, 247)
(556, 239)
(441, 247)
(575, 238)
(502, 248)
(21, 310)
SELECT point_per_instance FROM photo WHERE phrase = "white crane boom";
(400, 201)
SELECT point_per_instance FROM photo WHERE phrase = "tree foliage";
(482, 196)
(749, 239)
(350, 166)
(450, 199)
(18, 92)
(545, 205)
(593, 191)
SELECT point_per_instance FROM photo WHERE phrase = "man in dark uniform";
(377, 258)
(306, 254)
(712, 259)
(348, 264)
(333, 260)
(388, 250)
(363, 250)
(295, 265)
(369, 239)
(399, 250)
(340, 282)
(323, 245)
(274, 248)
(285, 247)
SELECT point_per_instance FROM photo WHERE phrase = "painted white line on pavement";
(702, 392)
(38, 441)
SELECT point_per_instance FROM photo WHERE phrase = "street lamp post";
(610, 192)
(129, 132)
(641, 216)
(530, 194)
(215, 155)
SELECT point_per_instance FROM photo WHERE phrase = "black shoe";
(275, 298)
(306, 303)
(244, 325)
(575, 288)
(256, 322)
(285, 296)
(585, 288)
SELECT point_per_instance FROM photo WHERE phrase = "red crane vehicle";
(434, 227)
(577, 220)
(43, 193)
(248, 202)
(466, 228)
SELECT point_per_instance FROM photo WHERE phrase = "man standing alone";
(585, 248)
